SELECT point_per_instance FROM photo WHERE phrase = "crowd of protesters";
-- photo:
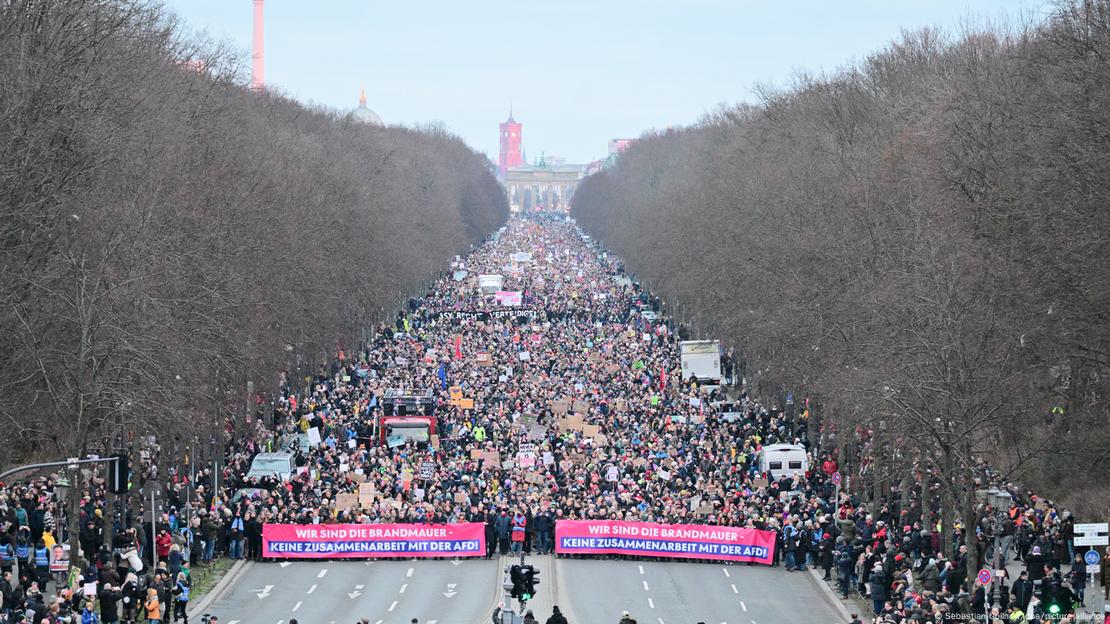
(579, 411)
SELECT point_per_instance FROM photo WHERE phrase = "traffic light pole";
(68, 463)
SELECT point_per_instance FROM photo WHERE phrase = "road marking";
(393, 606)
(311, 589)
(284, 564)
(356, 593)
(661, 621)
(322, 573)
(454, 562)
(233, 622)
(651, 603)
(743, 606)
(734, 590)
(265, 591)
(378, 622)
(403, 588)
(409, 573)
(725, 570)
(297, 606)
(641, 569)
(645, 586)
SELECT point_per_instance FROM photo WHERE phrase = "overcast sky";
(576, 72)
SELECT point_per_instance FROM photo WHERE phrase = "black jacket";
(109, 604)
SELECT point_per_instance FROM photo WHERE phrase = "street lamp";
(61, 489)
(999, 501)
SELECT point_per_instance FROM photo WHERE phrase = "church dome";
(362, 114)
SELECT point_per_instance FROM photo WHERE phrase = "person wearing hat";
(1034, 563)
(626, 618)
(880, 588)
(557, 616)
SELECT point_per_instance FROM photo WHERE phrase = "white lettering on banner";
(709, 533)
(599, 543)
(369, 531)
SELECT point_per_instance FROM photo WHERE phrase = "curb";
(237, 570)
(830, 596)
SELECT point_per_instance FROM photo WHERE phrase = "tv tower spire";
(258, 81)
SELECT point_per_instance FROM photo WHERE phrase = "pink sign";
(367, 541)
(508, 297)
(681, 541)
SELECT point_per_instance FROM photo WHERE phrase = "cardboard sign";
(534, 478)
(314, 436)
(366, 489)
(581, 407)
(357, 476)
(461, 498)
(455, 392)
(366, 502)
(590, 431)
(492, 458)
(435, 441)
(560, 407)
(476, 453)
(483, 359)
(601, 440)
(346, 500)
(759, 483)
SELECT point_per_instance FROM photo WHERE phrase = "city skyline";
(576, 74)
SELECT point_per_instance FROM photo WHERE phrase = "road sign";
(1095, 534)
(1092, 569)
(1092, 557)
(984, 577)
(835, 478)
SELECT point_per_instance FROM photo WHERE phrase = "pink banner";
(508, 297)
(367, 541)
(645, 539)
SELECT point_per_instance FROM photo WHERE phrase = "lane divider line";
(645, 586)
(651, 603)
(393, 606)
(297, 606)
(734, 590)
(403, 588)
(311, 589)
(725, 570)
(322, 573)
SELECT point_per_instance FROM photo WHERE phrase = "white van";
(280, 465)
(783, 459)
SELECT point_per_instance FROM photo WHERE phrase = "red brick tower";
(510, 145)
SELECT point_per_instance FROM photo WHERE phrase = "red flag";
(458, 347)
(663, 378)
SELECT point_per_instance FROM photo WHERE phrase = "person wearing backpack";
(181, 591)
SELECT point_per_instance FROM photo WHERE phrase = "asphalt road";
(685, 593)
(340, 592)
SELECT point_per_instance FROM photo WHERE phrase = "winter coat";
(930, 578)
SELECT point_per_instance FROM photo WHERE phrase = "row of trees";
(169, 239)
(918, 241)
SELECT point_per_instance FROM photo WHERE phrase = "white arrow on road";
(356, 593)
(265, 591)
(454, 562)
(450, 593)
(286, 564)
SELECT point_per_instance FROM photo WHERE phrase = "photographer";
(110, 596)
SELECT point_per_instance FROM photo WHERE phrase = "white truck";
(701, 359)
